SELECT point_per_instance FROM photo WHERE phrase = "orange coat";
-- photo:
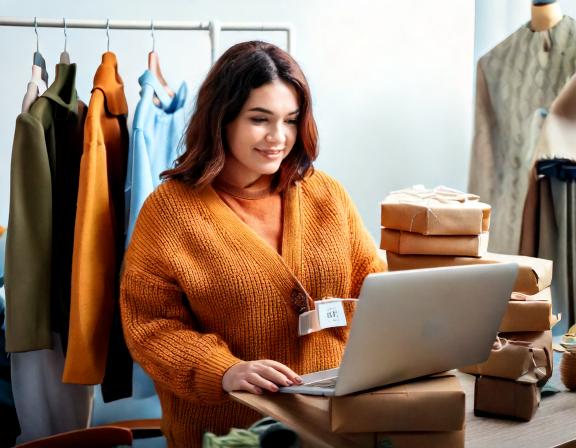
(98, 232)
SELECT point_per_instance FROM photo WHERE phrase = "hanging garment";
(99, 235)
(549, 224)
(2, 252)
(154, 146)
(45, 406)
(558, 244)
(156, 134)
(10, 427)
(40, 229)
(523, 73)
(36, 86)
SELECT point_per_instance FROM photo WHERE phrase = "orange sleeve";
(159, 331)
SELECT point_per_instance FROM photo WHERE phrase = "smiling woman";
(260, 83)
(262, 135)
(238, 241)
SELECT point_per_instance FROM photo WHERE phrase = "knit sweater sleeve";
(159, 327)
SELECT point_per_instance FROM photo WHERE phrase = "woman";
(240, 239)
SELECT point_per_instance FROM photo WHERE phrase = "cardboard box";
(451, 439)
(410, 406)
(522, 357)
(433, 212)
(534, 274)
(312, 417)
(402, 242)
(307, 415)
(541, 339)
(505, 398)
(529, 312)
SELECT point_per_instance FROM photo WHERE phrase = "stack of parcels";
(508, 380)
(507, 383)
(427, 412)
(442, 221)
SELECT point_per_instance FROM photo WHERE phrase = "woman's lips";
(272, 153)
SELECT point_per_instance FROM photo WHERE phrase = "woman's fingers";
(256, 376)
(248, 387)
(288, 373)
(262, 381)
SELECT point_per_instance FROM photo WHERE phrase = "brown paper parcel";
(433, 404)
(313, 417)
(506, 398)
(414, 243)
(435, 212)
(534, 274)
(519, 360)
(307, 415)
(529, 312)
(446, 439)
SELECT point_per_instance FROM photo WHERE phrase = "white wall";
(391, 81)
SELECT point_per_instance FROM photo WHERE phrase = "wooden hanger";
(545, 15)
(154, 65)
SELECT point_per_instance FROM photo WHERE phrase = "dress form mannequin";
(545, 15)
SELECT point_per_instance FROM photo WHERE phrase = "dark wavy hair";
(240, 69)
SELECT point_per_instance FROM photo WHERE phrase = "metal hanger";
(38, 59)
(64, 56)
(108, 34)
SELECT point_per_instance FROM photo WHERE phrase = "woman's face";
(262, 134)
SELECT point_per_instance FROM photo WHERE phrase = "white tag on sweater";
(308, 323)
(328, 313)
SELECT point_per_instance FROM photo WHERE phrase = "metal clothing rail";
(213, 26)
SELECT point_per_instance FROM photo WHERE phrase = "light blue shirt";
(155, 144)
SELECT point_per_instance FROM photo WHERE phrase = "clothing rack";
(214, 27)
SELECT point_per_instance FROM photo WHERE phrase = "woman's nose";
(276, 135)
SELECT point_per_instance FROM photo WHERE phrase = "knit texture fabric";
(263, 215)
(523, 73)
(202, 291)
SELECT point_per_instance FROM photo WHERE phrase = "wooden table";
(553, 425)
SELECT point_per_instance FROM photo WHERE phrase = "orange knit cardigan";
(202, 291)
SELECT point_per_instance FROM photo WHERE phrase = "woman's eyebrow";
(269, 112)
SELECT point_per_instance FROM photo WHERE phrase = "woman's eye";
(257, 119)
(293, 122)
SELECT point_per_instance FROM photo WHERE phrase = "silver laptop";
(414, 323)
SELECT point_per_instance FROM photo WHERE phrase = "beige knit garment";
(523, 73)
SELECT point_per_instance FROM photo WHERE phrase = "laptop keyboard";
(328, 382)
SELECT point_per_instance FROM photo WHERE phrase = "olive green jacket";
(42, 140)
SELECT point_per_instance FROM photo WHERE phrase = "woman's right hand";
(257, 376)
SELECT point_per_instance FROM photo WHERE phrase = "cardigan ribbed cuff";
(208, 381)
